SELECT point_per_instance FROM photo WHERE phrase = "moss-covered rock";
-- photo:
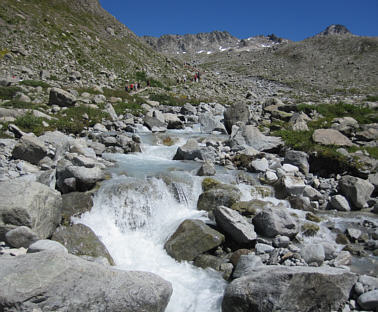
(246, 208)
(312, 217)
(219, 195)
(310, 229)
(209, 183)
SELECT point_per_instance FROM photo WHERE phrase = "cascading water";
(134, 215)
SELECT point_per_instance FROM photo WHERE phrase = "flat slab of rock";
(234, 224)
(61, 98)
(30, 148)
(54, 281)
(30, 204)
(356, 190)
(331, 137)
(294, 289)
(192, 238)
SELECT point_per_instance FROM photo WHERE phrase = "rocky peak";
(335, 29)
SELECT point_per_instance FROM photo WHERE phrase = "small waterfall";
(134, 217)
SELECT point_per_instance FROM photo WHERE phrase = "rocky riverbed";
(273, 227)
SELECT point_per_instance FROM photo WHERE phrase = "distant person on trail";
(131, 87)
(148, 83)
(127, 88)
(195, 78)
(198, 76)
(138, 86)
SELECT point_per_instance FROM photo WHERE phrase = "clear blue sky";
(291, 19)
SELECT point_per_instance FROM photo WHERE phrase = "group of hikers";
(195, 78)
(135, 86)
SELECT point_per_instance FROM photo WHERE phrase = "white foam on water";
(135, 217)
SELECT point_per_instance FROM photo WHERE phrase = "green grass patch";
(18, 104)
(30, 123)
(363, 115)
(71, 120)
(372, 98)
(171, 100)
(7, 93)
(3, 52)
(35, 83)
(133, 107)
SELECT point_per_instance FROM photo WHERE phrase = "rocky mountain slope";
(333, 61)
(208, 43)
(69, 36)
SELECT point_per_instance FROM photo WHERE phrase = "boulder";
(238, 112)
(275, 221)
(46, 245)
(192, 238)
(81, 240)
(61, 98)
(188, 109)
(216, 263)
(54, 281)
(289, 185)
(221, 195)
(30, 149)
(173, 121)
(75, 204)
(191, 150)
(331, 137)
(356, 190)
(369, 300)
(294, 289)
(21, 236)
(207, 169)
(250, 136)
(110, 109)
(339, 202)
(299, 159)
(30, 204)
(153, 123)
(235, 225)
(210, 123)
(247, 264)
(259, 165)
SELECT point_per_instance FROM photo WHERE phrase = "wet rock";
(221, 195)
(30, 149)
(21, 236)
(281, 241)
(192, 238)
(295, 289)
(191, 150)
(209, 261)
(272, 222)
(259, 165)
(237, 254)
(247, 208)
(75, 204)
(235, 225)
(289, 185)
(356, 190)
(207, 169)
(81, 285)
(263, 248)
(153, 123)
(210, 123)
(37, 207)
(81, 240)
(247, 264)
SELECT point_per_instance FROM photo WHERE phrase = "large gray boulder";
(356, 190)
(55, 281)
(275, 221)
(250, 136)
(210, 123)
(191, 150)
(238, 112)
(76, 178)
(61, 98)
(369, 300)
(235, 225)
(81, 240)
(30, 204)
(192, 238)
(220, 195)
(31, 149)
(294, 289)
(331, 137)
(299, 159)
(75, 204)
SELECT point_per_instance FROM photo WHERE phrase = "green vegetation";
(72, 120)
(173, 100)
(30, 123)
(3, 52)
(35, 83)
(7, 93)
(372, 98)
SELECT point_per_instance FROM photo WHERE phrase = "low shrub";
(35, 83)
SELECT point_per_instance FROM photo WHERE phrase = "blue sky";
(291, 19)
